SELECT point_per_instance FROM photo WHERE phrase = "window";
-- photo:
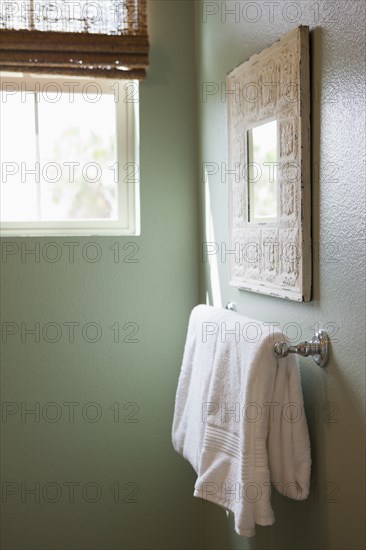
(69, 156)
(69, 115)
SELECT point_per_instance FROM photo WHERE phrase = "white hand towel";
(239, 416)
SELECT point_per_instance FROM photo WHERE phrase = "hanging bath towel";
(239, 416)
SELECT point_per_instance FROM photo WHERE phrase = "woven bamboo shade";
(106, 38)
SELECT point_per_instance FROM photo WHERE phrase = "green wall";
(157, 293)
(155, 508)
(333, 516)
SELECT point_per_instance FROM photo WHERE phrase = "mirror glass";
(262, 172)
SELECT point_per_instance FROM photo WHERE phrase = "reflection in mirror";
(262, 172)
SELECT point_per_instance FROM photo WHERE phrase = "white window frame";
(127, 127)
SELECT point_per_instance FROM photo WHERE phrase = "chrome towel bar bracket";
(317, 348)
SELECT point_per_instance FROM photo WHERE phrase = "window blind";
(104, 38)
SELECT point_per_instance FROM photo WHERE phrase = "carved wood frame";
(273, 258)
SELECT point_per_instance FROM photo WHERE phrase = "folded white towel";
(239, 416)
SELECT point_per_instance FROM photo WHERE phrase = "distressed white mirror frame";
(273, 258)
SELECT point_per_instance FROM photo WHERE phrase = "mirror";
(262, 172)
(269, 170)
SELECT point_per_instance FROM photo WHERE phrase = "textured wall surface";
(126, 460)
(157, 293)
(332, 517)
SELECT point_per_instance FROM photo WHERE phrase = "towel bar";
(317, 348)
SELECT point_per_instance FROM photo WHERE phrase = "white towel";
(239, 416)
